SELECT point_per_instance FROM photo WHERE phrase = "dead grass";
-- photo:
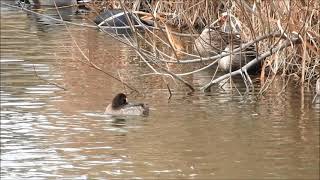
(292, 18)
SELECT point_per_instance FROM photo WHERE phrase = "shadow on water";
(48, 132)
(45, 22)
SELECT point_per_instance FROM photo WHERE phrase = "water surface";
(53, 126)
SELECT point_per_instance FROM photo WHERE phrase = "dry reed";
(291, 31)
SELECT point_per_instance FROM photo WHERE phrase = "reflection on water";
(50, 132)
(47, 22)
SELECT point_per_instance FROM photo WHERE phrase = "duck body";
(119, 18)
(129, 109)
(238, 59)
(115, 18)
(215, 40)
(120, 106)
(119, 21)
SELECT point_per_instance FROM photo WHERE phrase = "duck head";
(119, 101)
(227, 23)
(217, 24)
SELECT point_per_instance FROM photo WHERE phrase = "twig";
(170, 94)
(48, 82)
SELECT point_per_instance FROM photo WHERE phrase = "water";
(53, 126)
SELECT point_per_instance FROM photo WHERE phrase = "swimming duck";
(120, 106)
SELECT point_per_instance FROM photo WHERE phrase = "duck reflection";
(50, 2)
(50, 16)
(118, 122)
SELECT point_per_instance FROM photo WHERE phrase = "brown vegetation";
(286, 32)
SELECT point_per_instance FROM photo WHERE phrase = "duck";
(238, 59)
(213, 40)
(119, 21)
(120, 106)
(115, 18)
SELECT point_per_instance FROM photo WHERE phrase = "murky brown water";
(48, 132)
